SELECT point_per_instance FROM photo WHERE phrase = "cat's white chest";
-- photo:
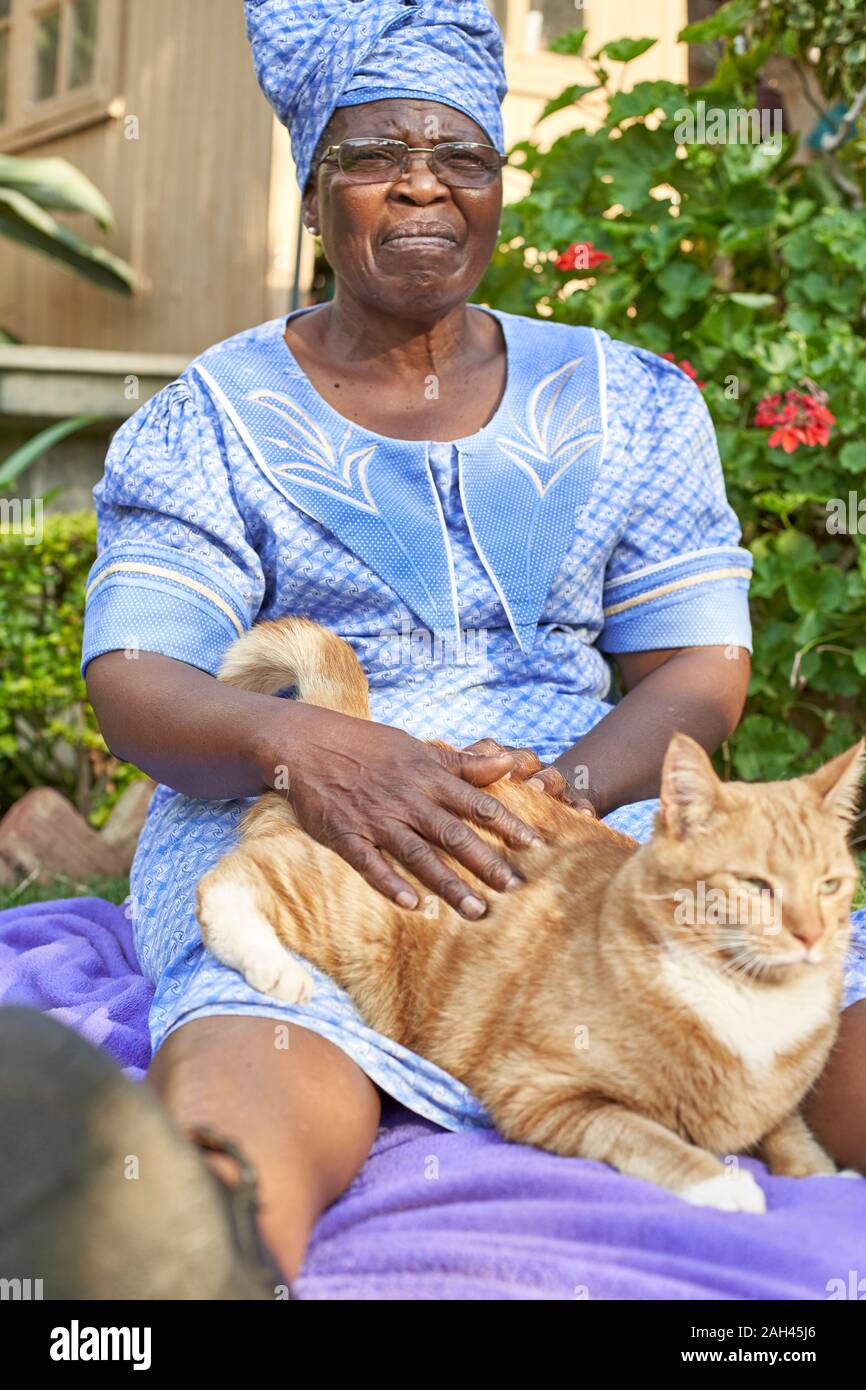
(757, 1025)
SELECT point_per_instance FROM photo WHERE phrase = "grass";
(114, 889)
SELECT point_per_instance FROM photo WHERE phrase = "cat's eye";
(757, 885)
(830, 885)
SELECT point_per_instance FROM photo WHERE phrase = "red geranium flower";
(582, 255)
(803, 419)
(684, 366)
(766, 413)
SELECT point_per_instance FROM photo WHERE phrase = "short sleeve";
(678, 576)
(175, 571)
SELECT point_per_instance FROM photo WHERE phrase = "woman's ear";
(311, 210)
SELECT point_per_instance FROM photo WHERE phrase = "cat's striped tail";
(294, 651)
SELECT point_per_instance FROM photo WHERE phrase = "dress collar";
(525, 476)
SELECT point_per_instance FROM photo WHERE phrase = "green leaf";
(744, 163)
(764, 748)
(567, 98)
(682, 283)
(643, 98)
(803, 320)
(726, 22)
(56, 184)
(798, 549)
(852, 457)
(24, 221)
(625, 50)
(753, 204)
(777, 356)
(824, 590)
(570, 43)
(34, 448)
(753, 301)
(799, 248)
(633, 161)
(860, 660)
(782, 503)
(790, 43)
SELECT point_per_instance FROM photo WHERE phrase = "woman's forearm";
(363, 789)
(697, 691)
(184, 728)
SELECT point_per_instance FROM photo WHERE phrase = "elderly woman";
(482, 505)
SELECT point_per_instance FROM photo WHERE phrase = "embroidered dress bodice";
(479, 582)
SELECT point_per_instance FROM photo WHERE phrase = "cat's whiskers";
(740, 963)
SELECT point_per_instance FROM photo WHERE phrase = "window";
(531, 25)
(58, 66)
(5, 28)
(546, 20)
(47, 54)
(82, 42)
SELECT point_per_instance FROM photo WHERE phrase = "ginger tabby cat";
(633, 1004)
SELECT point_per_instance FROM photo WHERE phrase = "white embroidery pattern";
(346, 472)
(539, 441)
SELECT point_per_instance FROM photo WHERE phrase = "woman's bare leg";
(836, 1109)
(302, 1112)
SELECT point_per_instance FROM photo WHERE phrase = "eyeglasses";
(459, 164)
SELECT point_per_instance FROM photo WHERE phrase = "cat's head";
(757, 875)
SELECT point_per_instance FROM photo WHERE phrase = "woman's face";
(374, 233)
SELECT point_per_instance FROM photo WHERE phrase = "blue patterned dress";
(480, 583)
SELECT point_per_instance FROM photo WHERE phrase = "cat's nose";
(807, 932)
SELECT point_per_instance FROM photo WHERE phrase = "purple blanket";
(435, 1215)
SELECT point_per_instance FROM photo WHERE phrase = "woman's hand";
(363, 788)
(527, 768)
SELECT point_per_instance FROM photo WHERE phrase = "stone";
(44, 835)
(123, 826)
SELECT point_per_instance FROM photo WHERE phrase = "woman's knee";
(285, 1095)
(301, 1112)
(836, 1109)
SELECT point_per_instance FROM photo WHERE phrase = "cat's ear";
(689, 789)
(838, 782)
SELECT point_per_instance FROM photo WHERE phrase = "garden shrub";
(748, 266)
(48, 731)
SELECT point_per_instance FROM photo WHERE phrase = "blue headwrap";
(312, 56)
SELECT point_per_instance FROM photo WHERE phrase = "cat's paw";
(288, 981)
(848, 1173)
(729, 1191)
(807, 1168)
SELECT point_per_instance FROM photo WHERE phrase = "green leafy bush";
(750, 265)
(48, 731)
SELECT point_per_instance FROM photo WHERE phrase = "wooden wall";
(205, 198)
(191, 194)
